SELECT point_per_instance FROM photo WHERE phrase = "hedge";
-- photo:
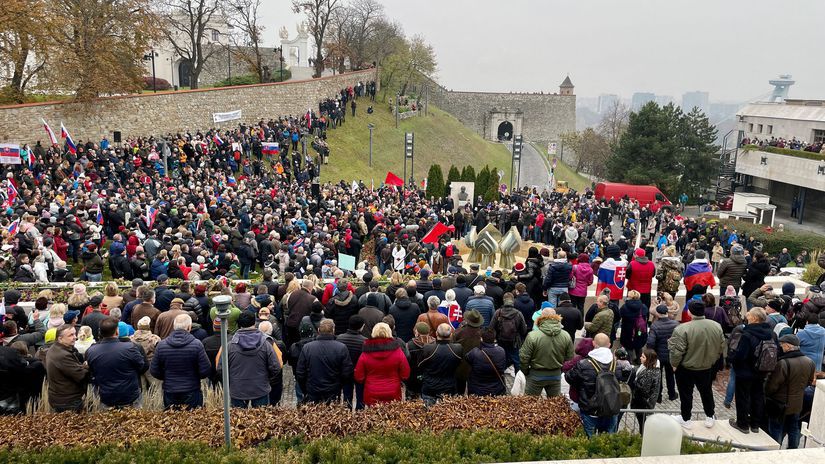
(468, 446)
(773, 241)
(786, 151)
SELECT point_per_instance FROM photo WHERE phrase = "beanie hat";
(730, 291)
(50, 336)
(696, 307)
(788, 288)
(661, 310)
(639, 252)
(775, 304)
(11, 297)
(216, 324)
(246, 319)
(356, 322)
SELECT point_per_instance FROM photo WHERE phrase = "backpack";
(506, 329)
(606, 399)
(766, 354)
(733, 308)
(639, 327)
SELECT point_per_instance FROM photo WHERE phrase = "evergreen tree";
(452, 176)
(482, 181)
(468, 174)
(435, 182)
(697, 163)
(491, 194)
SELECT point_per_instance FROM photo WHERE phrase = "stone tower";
(566, 87)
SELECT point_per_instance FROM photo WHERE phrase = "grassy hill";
(439, 138)
(565, 172)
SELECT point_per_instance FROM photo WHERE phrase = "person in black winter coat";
(531, 275)
(525, 304)
(750, 382)
(437, 366)
(755, 275)
(462, 291)
(354, 341)
(341, 307)
(323, 366)
(660, 331)
(405, 313)
(181, 362)
(633, 340)
(571, 317)
(487, 365)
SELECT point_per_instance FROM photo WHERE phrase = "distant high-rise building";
(639, 99)
(697, 99)
(607, 101)
(663, 100)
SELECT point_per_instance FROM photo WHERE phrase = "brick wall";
(165, 112)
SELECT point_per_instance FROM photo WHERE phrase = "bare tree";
(319, 13)
(243, 15)
(387, 37)
(340, 35)
(614, 122)
(366, 16)
(187, 25)
(421, 61)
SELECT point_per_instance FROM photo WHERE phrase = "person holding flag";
(612, 274)
(70, 146)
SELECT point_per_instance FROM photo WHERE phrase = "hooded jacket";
(558, 275)
(583, 273)
(640, 273)
(381, 369)
(67, 375)
(630, 312)
(582, 377)
(406, 314)
(487, 365)
(812, 343)
(744, 358)
(731, 270)
(252, 362)
(180, 361)
(787, 383)
(323, 366)
(660, 332)
(669, 267)
(545, 350)
(340, 308)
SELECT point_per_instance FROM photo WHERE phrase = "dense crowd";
(412, 320)
(792, 144)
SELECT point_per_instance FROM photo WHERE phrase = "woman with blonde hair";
(56, 313)
(669, 271)
(112, 298)
(396, 282)
(85, 339)
(381, 367)
(78, 299)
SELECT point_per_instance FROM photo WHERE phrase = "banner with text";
(223, 117)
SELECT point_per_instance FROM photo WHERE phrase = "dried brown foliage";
(251, 427)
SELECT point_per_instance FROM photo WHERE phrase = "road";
(533, 170)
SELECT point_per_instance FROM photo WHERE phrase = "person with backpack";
(755, 357)
(595, 382)
(634, 316)
(510, 328)
(785, 390)
(694, 348)
(732, 305)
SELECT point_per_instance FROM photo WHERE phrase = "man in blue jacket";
(181, 362)
(116, 367)
(557, 280)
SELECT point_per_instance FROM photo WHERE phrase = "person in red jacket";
(381, 367)
(640, 274)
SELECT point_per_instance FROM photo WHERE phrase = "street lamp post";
(281, 59)
(370, 127)
(151, 56)
(222, 303)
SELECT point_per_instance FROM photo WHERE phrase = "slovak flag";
(612, 276)
(217, 139)
(49, 131)
(69, 142)
(11, 193)
(699, 272)
(13, 227)
(151, 214)
(271, 148)
(299, 242)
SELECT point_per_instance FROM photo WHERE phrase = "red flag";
(392, 179)
(437, 231)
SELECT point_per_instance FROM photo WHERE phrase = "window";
(770, 129)
(216, 35)
(660, 197)
(750, 127)
(819, 136)
(759, 128)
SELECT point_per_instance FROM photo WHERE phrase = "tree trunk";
(319, 63)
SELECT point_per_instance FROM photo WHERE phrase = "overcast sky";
(730, 48)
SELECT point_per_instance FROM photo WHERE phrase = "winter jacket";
(181, 361)
(157, 268)
(744, 358)
(323, 366)
(115, 368)
(340, 308)
(487, 365)
(755, 276)
(666, 275)
(812, 343)
(571, 318)
(484, 305)
(297, 305)
(629, 313)
(640, 274)
(252, 362)
(437, 366)
(144, 309)
(644, 386)
(583, 376)
(531, 277)
(786, 384)
(92, 262)
(462, 293)
(526, 306)
(660, 332)
(696, 345)
(504, 315)
(433, 318)
(719, 315)
(406, 314)
(814, 305)
(147, 341)
(165, 323)
(584, 278)
(731, 270)
(67, 375)
(354, 342)
(558, 275)
(163, 298)
(602, 323)
(381, 369)
(546, 349)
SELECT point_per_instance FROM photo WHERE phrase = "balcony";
(804, 169)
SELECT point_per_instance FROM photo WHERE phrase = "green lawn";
(439, 138)
(564, 172)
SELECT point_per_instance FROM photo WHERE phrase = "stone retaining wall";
(165, 112)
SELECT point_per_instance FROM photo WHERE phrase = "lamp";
(222, 304)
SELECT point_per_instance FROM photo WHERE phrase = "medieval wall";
(545, 116)
(170, 112)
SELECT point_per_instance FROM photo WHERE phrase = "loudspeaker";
(117, 136)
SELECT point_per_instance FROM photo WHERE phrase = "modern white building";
(790, 177)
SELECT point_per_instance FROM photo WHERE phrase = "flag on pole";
(49, 131)
(392, 179)
(437, 231)
(217, 139)
(354, 186)
(11, 193)
(13, 227)
(99, 217)
(151, 214)
(271, 148)
(65, 134)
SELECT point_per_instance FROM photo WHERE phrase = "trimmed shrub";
(239, 80)
(468, 174)
(452, 176)
(786, 151)
(162, 84)
(773, 241)
(435, 182)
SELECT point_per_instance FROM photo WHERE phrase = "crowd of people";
(413, 320)
(792, 144)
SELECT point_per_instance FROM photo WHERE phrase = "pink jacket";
(584, 278)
